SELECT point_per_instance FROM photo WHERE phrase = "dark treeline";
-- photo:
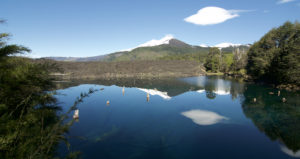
(276, 56)
(274, 59)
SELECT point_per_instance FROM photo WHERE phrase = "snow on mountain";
(154, 42)
(165, 40)
(203, 45)
(224, 45)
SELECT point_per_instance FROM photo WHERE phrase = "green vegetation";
(278, 120)
(166, 52)
(198, 57)
(214, 60)
(218, 61)
(30, 124)
(276, 57)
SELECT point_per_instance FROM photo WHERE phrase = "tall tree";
(276, 57)
(239, 60)
(213, 60)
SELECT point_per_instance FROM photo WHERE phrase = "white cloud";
(284, 1)
(204, 117)
(212, 15)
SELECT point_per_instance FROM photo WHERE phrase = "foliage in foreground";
(30, 126)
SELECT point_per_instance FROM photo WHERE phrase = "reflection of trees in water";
(278, 120)
(172, 86)
(210, 94)
(236, 89)
(219, 85)
(213, 85)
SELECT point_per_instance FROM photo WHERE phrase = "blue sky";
(82, 28)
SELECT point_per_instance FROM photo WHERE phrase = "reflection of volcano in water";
(154, 92)
(166, 88)
(215, 85)
(290, 152)
(204, 117)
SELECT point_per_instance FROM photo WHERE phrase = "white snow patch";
(153, 92)
(165, 40)
(203, 45)
(224, 45)
(154, 42)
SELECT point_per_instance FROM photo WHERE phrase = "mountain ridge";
(152, 50)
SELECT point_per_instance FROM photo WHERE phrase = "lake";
(196, 117)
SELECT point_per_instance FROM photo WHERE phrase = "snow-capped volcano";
(154, 42)
(224, 45)
(165, 40)
(203, 45)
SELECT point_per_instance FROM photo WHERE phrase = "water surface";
(196, 117)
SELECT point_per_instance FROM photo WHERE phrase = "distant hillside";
(166, 48)
(127, 69)
(175, 47)
(79, 59)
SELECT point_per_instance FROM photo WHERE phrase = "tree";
(276, 57)
(239, 60)
(30, 126)
(213, 60)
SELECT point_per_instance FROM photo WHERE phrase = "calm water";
(197, 117)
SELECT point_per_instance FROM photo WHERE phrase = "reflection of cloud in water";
(222, 92)
(290, 152)
(222, 87)
(218, 86)
(153, 92)
(201, 91)
(218, 92)
(204, 117)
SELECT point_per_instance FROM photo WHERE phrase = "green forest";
(274, 59)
